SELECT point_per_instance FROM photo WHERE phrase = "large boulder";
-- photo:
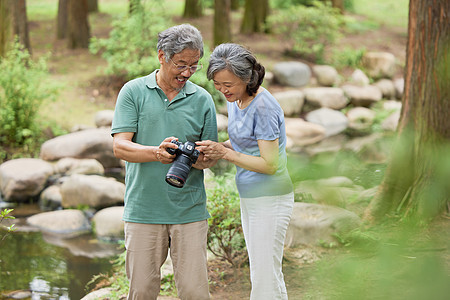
(363, 95)
(315, 224)
(108, 224)
(333, 98)
(104, 118)
(291, 101)
(292, 73)
(66, 223)
(94, 143)
(301, 133)
(24, 178)
(379, 64)
(332, 120)
(326, 75)
(69, 166)
(91, 190)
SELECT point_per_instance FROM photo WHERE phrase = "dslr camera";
(186, 155)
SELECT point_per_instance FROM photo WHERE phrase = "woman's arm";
(266, 163)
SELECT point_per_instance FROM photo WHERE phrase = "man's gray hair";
(177, 38)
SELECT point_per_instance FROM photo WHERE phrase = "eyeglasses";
(182, 68)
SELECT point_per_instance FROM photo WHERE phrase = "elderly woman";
(257, 146)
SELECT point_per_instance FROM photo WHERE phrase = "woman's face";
(231, 86)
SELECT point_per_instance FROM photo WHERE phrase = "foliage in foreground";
(23, 89)
(225, 236)
(391, 261)
(5, 215)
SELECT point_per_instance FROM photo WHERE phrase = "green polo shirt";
(143, 108)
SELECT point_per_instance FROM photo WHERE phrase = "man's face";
(172, 74)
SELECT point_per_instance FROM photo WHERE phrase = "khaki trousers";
(147, 248)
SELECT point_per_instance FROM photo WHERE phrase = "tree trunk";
(13, 23)
(416, 180)
(339, 4)
(79, 32)
(235, 5)
(255, 14)
(222, 29)
(61, 26)
(193, 9)
(92, 6)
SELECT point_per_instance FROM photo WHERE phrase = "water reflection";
(52, 268)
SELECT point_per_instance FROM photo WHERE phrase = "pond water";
(50, 267)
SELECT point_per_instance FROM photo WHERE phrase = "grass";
(384, 12)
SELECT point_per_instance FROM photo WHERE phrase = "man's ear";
(161, 56)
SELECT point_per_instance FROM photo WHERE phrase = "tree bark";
(416, 180)
(339, 4)
(61, 26)
(222, 29)
(193, 9)
(78, 26)
(13, 23)
(92, 6)
(255, 14)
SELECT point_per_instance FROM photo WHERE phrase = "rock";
(292, 73)
(103, 293)
(23, 178)
(69, 166)
(107, 223)
(301, 133)
(268, 78)
(333, 121)
(326, 75)
(91, 190)
(387, 88)
(68, 223)
(290, 101)
(314, 224)
(222, 122)
(336, 191)
(374, 148)
(359, 78)
(379, 64)
(92, 143)
(360, 119)
(363, 96)
(104, 118)
(391, 122)
(333, 98)
(392, 105)
(50, 198)
(331, 144)
(399, 85)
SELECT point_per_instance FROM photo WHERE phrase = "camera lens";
(179, 171)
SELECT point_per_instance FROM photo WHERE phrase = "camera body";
(186, 155)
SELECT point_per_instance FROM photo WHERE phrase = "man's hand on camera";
(161, 153)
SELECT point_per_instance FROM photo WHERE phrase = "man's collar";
(150, 81)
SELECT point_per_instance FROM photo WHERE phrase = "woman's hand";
(211, 150)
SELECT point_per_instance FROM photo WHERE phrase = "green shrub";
(23, 89)
(130, 49)
(308, 29)
(225, 236)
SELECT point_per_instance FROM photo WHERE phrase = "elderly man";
(152, 111)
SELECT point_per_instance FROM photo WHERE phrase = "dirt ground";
(88, 91)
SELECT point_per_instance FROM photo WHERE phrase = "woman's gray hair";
(239, 61)
(177, 38)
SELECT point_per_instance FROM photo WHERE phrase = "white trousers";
(264, 222)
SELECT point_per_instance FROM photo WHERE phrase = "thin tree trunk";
(61, 26)
(222, 29)
(416, 180)
(255, 14)
(193, 9)
(14, 23)
(79, 31)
